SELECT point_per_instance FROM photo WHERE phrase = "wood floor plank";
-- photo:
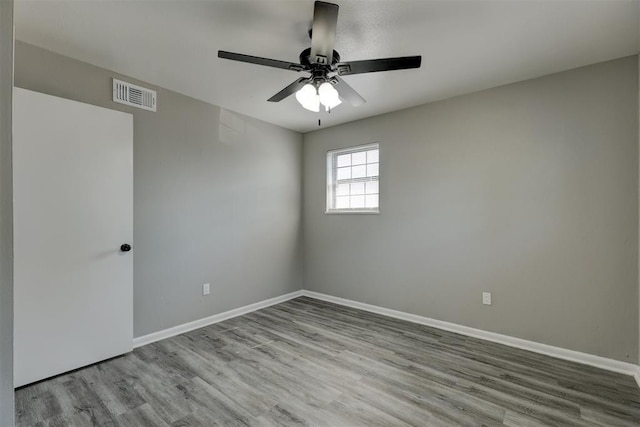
(141, 416)
(310, 362)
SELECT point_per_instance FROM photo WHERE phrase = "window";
(352, 180)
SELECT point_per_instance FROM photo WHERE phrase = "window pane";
(357, 188)
(373, 156)
(342, 190)
(352, 179)
(359, 171)
(359, 158)
(344, 173)
(344, 160)
(342, 202)
(357, 202)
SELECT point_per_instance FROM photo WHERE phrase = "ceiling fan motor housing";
(305, 60)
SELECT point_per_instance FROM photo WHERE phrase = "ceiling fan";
(324, 85)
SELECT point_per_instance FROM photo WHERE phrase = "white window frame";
(332, 181)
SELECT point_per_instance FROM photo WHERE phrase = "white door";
(73, 209)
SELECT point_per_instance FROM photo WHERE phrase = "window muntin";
(353, 180)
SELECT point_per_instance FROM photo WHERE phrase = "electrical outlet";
(486, 298)
(206, 288)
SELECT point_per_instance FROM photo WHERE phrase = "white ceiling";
(466, 45)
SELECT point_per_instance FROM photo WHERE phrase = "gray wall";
(217, 197)
(6, 215)
(529, 191)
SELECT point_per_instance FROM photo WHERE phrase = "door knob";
(125, 247)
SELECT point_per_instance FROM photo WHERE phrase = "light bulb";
(308, 97)
(328, 96)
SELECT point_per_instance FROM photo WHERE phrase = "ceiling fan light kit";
(324, 85)
(311, 98)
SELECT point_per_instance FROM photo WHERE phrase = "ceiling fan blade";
(260, 61)
(347, 93)
(323, 32)
(375, 65)
(289, 90)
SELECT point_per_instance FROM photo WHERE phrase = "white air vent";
(136, 96)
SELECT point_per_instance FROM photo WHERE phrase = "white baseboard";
(190, 326)
(549, 350)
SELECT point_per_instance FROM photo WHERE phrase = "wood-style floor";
(309, 362)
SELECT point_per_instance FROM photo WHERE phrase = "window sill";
(352, 212)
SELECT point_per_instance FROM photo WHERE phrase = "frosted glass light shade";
(328, 96)
(308, 98)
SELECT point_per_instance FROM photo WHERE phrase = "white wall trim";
(637, 376)
(558, 352)
(190, 326)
